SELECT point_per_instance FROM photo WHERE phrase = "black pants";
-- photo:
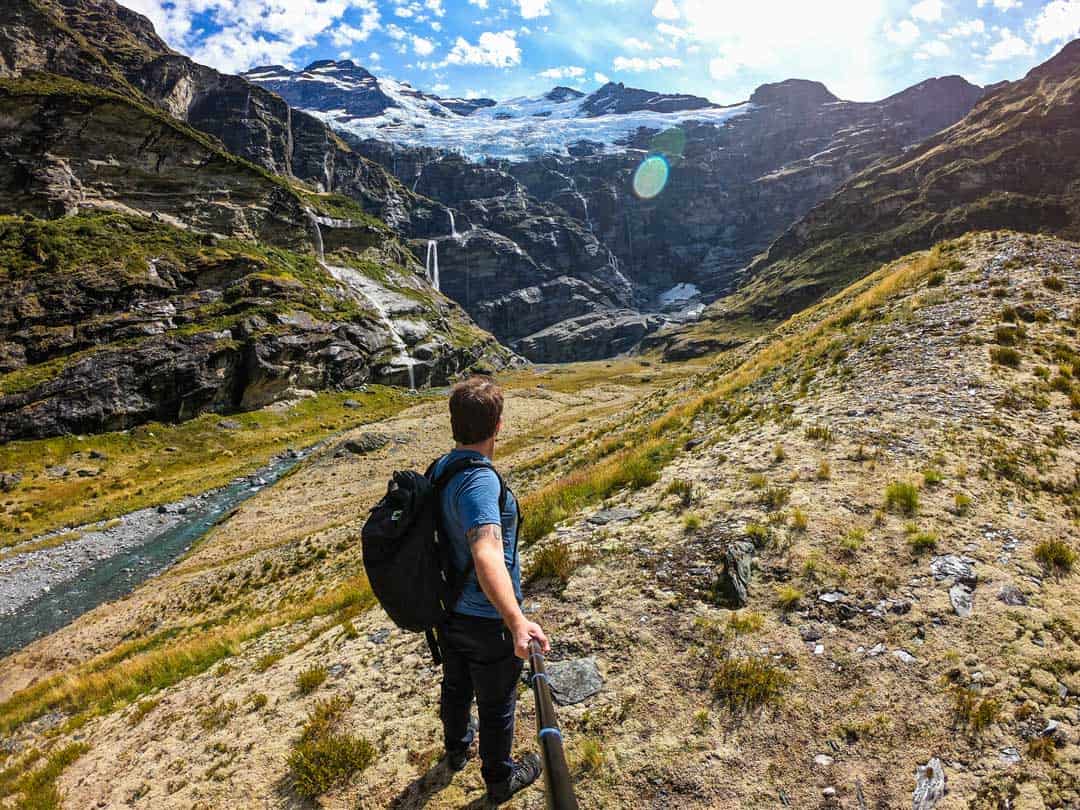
(479, 660)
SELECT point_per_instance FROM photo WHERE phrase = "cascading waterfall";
(585, 205)
(354, 280)
(453, 227)
(431, 263)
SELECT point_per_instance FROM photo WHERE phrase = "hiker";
(485, 638)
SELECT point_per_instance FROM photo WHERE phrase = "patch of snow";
(679, 293)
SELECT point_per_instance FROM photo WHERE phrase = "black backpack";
(406, 554)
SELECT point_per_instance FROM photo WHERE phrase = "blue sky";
(861, 49)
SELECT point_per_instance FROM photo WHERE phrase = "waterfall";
(419, 174)
(355, 281)
(431, 263)
(585, 205)
(453, 227)
(314, 220)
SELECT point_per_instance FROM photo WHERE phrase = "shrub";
(961, 503)
(799, 520)
(257, 701)
(1005, 356)
(590, 756)
(744, 622)
(972, 714)
(902, 497)
(311, 679)
(325, 757)
(922, 542)
(789, 597)
(851, 542)
(821, 433)
(758, 481)
(746, 684)
(758, 534)
(774, 497)
(1042, 749)
(779, 453)
(348, 629)
(1053, 283)
(267, 661)
(1055, 556)
(824, 470)
(1009, 335)
(691, 523)
(932, 476)
(683, 489)
(554, 561)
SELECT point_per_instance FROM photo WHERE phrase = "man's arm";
(487, 550)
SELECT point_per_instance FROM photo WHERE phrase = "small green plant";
(932, 476)
(142, 708)
(961, 503)
(779, 453)
(788, 597)
(746, 684)
(683, 489)
(589, 756)
(758, 534)
(257, 701)
(744, 622)
(325, 757)
(265, 662)
(1042, 749)
(1055, 556)
(972, 714)
(774, 497)
(1053, 283)
(553, 561)
(1009, 335)
(902, 497)
(820, 433)
(348, 629)
(758, 481)
(799, 520)
(217, 715)
(824, 470)
(851, 542)
(921, 542)
(1005, 356)
(311, 679)
(691, 523)
(702, 721)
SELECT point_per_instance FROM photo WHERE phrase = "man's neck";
(484, 448)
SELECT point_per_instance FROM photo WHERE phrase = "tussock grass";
(683, 490)
(311, 679)
(553, 561)
(36, 788)
(1005, 356)
(921, 542)
(788, 597)
(325, 757)
(588, 756)
(746, 684)
(972, 714)
(902, 497)
(1055, 556)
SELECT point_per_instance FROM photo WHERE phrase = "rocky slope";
(903, 489)
(1011, 162)
(266, 287)
(736, 181)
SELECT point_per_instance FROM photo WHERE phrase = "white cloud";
(479, 3)
(635, 44)
(493, 49)
(935, 49)
(904, 33)
(531, 9)
(721, 68)
(672, 31)
(422, 46)
(567, 72)
(1058, 21)
(345, 34)
(404, 11)
(966, 29)
(928, 10)
(637, 64)
(1008, 46)
(601, 77)
(1001, 5)
(396, 32)
(666, 10)
(440, 87)
(435, 7)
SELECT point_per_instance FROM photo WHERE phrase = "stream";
(42, 591)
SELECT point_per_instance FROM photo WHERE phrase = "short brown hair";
(475, 409)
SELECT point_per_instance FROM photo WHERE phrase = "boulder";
(930, 785)
(733, 581)
(364, 443)
(574, 681)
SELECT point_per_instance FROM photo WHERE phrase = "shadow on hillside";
(422, 789)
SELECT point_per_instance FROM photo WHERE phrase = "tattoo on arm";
(477, 533)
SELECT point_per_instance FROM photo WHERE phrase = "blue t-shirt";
(471, 499)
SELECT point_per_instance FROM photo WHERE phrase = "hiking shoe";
(526, 771)
(457, 760)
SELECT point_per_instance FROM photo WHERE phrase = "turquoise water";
(117, 576)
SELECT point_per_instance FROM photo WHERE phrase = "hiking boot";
(525, 772)
(457, 760)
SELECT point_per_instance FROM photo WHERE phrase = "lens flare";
(651, 177)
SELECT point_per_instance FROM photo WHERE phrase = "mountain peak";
(563, 93)
(793, 93)
(617, 99)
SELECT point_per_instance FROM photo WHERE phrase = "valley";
(792, 412)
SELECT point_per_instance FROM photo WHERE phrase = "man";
(486, 638)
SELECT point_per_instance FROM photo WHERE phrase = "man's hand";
(524, 632)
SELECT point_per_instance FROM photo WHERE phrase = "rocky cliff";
(1010, 162)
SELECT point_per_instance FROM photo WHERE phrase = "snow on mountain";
(350, 98)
